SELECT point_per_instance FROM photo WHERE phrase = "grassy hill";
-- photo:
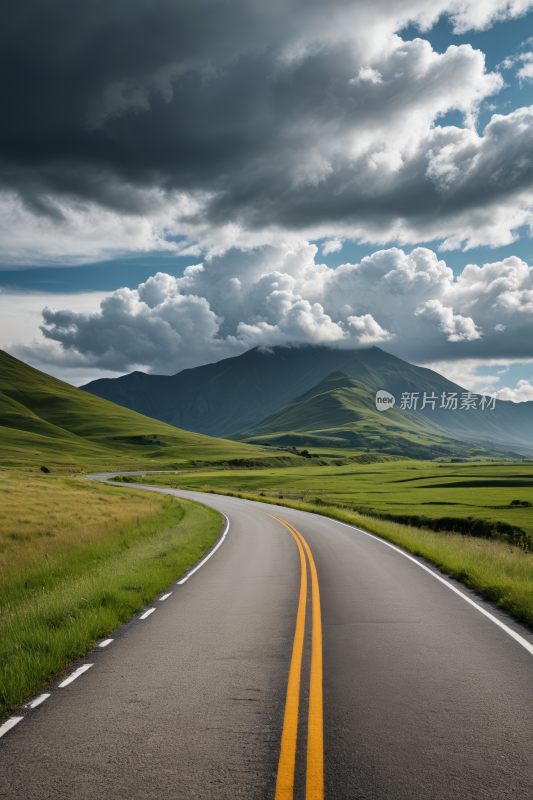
(46, 422)
(341, 412)
(236, 393)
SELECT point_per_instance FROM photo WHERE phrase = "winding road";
(303, 659)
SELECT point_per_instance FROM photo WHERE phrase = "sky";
(181, 181)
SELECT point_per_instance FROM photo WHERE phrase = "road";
(423, 695)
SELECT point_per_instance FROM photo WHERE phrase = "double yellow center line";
(315, 736)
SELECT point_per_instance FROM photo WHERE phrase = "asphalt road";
(423, 695)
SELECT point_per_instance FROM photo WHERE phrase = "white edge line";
(37, 701)
(10, 723)
(516, 636)
(164, 597)
(105, 642)
(75, 674)
(147, 613)
(213, 551)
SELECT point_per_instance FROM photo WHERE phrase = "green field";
(79, 558)
(446, 496)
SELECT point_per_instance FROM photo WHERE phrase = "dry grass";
(40, 516)
(78, 559)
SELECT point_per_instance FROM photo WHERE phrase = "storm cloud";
(198, 126)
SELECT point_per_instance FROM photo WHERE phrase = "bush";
(480, 528)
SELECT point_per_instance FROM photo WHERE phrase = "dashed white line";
(75, 674)
(147, 613)
(105, 642)
(37, 701)
(10, 723)
(164, 597)
(186, 578)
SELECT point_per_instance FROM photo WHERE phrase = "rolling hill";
(46, 422)
(341, 412)
(236, 393)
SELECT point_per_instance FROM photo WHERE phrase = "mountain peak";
(234, 394)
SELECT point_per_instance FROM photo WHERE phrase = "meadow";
(78, 559)
(403, 491)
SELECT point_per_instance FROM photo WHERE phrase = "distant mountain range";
(341, 412)
(235, 394)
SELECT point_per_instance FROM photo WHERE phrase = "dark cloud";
(272, 119)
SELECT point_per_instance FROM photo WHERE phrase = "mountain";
(44, 422)
(232, 395)
(341, 412)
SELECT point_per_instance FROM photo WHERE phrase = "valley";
(463, 504)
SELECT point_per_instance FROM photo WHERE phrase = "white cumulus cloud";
(522, 393)
(410, 304)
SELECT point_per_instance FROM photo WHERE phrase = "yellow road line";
(287, 756)
(315, 725)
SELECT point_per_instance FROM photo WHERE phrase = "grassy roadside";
(54, 606)
(500, 572)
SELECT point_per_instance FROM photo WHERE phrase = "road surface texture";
(424, 697)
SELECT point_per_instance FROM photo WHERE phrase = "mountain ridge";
(341, 412)
(232, 395)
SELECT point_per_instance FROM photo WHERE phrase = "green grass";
(341, 412)
(46, 422)
(56, 604)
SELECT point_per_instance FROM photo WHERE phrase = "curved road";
(423, 695)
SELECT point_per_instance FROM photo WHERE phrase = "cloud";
(81, 231)
(241, 124)
(456, 327)
(409, 303)
(525, 73)
(21, 316)
(367, 74)
(465, 372)
(333, 246)
(522, 393)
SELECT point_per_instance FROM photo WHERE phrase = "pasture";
(494, 493)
